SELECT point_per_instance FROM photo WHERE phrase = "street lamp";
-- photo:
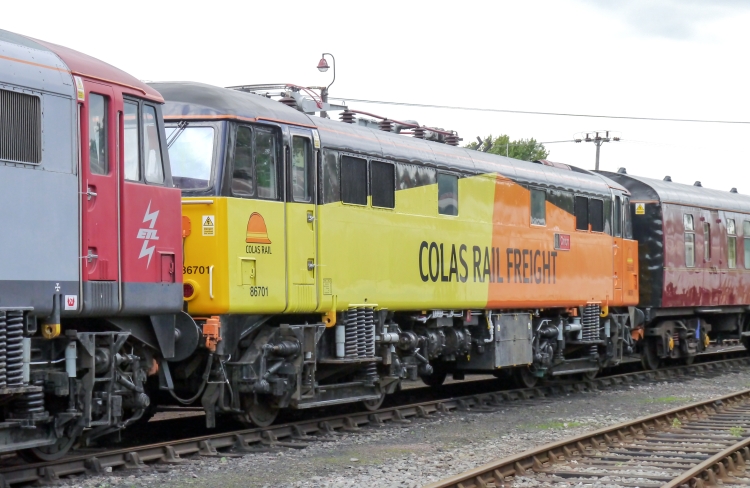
(323, 67)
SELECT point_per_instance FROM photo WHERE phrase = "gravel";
(427, 450)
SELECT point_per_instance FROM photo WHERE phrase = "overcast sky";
(641, 58)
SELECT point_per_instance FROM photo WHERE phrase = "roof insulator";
(419, 132)
(347, 117)
(288, 101)
(697, 183)
(733, 190)
(622, 170)
(385, 125)
(452, 139)
(667, 178)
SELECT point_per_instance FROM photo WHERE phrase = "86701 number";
(195, 269)
(258, 291)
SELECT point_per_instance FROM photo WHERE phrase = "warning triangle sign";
(208, 222)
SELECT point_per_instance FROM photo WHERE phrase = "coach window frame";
(706, 242)
(731, 244)
(371, 186)
(457, 177)
(688, 225)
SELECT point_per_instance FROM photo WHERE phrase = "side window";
(265, 164)
(353, 180)
(331, 180)
(731, 244)
(538, 207)
(596, 215)
(627, 221)
(132, 142)
(383, 184)
(447, 194)
(746, 242)
(582, 213)
(242, 174)
(152, 148)
(98, 154)
(688, 224)
(617, 217)
(706, 241)
(301, 179)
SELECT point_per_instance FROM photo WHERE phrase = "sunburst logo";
(257, 233)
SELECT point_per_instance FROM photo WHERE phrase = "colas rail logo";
(257, 233)
(148, 234)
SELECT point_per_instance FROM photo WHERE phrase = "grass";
(667, 399)
(554, 424)
(736, 431)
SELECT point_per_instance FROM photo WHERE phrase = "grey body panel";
(40, 243)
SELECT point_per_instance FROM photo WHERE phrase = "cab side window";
(242, 174)
(596, 215)
(617, 227)
(154, 170)
(582, 213)
(98, 153)
(132, 142)
(265, 164)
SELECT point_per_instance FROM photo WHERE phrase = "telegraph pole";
(598, 138)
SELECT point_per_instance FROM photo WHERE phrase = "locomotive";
(91, 281)
(336, 260)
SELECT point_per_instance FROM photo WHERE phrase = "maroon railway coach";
(694, 260)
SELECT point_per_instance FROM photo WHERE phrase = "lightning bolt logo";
(149, 234)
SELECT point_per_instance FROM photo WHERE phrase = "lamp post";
(323, 67)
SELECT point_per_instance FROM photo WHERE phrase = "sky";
(635, 58)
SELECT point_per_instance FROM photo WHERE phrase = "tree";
(525, 149)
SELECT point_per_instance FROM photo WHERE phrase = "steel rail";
(300, 434)
(599, 444)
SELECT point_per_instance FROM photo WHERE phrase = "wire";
(528, 112)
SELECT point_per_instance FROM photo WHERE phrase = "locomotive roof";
(650, 189)
(80, 64)
(189, 100)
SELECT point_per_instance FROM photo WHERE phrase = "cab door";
(301, 222)
(617, 246)
(99, 200)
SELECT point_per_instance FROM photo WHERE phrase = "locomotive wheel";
(437, 378)
(524, 377)
(649, 359)
(372, 405)
(259, 413)
(53, 452)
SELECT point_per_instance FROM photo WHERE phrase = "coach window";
(746, 242)
(538, 207)
(731, 244)
(382, 184)
(617, 218)
(154, 165)
(688, 224)
(353, 180)
(242, 174)
(132, 142)
(596, 215)
(265, 164)
(98, 163)
(582, 213)
(301, 166)
(706, 242)
(447, 194)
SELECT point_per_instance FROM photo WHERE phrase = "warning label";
(640, 209)
(208, 222)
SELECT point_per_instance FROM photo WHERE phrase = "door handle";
(310, 265)
(310, 218)
(90, 256)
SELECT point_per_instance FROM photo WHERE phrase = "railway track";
(301, 433)
(700, 444)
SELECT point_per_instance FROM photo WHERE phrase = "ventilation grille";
(20, 128)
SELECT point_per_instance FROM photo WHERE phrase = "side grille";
(20, 127)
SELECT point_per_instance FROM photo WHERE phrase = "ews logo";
(148, 234)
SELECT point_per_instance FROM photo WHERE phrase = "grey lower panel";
(36, 294)
(100, 298)
(151, 298)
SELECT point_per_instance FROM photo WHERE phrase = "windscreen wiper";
(180, 129)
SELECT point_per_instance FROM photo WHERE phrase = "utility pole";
(598, 138)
